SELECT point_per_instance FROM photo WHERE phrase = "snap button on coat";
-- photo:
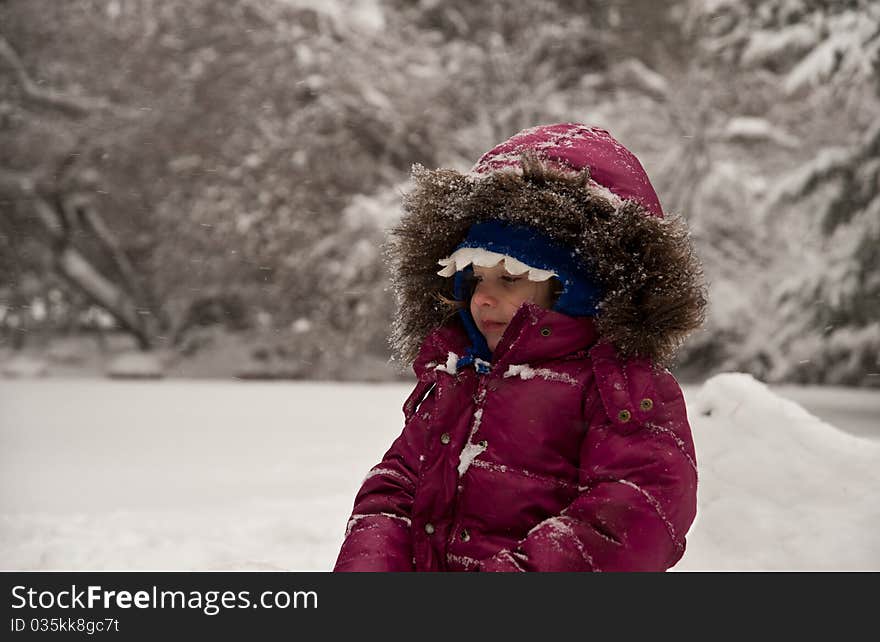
(647, 404)
(429, 528)
(624, 415)
(546, 332)
(445, 438)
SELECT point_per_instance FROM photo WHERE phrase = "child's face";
(497, 296)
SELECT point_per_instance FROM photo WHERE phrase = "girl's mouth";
(493, 325)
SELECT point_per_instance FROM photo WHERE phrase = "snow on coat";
(578, 461)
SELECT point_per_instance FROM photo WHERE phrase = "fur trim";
(653, 281)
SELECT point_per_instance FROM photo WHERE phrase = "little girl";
(544, 433)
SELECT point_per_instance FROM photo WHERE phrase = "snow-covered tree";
(797, 166)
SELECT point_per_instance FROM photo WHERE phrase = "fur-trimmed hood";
(585, 191)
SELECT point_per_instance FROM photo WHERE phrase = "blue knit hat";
(538, 252)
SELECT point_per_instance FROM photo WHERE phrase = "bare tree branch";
(71, 264)
(75, 106)
(87, 214)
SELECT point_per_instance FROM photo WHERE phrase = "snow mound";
(726, 393)
(779, 489)
(25, 366)
(69, 351)
(136, 365)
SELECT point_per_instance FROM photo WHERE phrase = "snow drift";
(189, 475)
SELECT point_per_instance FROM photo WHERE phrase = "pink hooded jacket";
(573, 452)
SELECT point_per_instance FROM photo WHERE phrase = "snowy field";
(206, 475)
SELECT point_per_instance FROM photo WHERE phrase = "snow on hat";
(615, 173)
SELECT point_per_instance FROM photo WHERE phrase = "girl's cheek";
(534, 292)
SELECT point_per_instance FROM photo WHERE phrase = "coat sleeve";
(378, 534)
(638, 480)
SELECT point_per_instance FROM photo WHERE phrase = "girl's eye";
(510, 279)
(470, 281)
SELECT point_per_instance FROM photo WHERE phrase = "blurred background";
(193, 188)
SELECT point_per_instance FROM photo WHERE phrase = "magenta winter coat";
(564, 457)
(573, 452)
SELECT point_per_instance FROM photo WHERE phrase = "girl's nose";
(482, 297)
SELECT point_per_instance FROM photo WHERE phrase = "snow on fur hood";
(580, 187)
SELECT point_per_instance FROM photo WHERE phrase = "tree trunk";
(74, 267)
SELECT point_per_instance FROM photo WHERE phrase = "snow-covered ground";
(206, 475)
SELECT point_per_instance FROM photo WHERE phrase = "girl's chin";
(493, 336)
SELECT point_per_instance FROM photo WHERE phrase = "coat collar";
(533, 335)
